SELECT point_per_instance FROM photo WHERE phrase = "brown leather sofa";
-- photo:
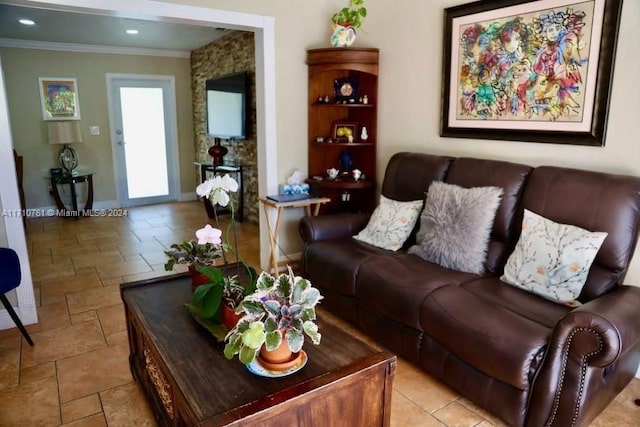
(529, 361)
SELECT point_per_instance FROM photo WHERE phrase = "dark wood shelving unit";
(325, 67)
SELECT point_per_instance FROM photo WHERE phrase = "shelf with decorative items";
(342, 133)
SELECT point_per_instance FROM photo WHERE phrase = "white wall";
(409, 35)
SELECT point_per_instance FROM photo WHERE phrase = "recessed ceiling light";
(26, 22)
(132, 31)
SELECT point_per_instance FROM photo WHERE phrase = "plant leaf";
(211, 302)
(200, 293)
(272, 307)
(252, 307)
(270, 325)
(311, 329)
(273, 340)
(246, 355)
(295, 339)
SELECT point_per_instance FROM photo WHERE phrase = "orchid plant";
(203, 253)
(281, 308)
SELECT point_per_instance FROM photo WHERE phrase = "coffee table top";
(225, 389)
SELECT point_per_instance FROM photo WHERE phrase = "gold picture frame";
(59, 98)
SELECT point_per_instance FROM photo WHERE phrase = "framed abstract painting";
(538, 71)
(59, 98)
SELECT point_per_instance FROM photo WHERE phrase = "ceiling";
(82, 28)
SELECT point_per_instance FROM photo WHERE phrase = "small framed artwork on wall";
(529, 70)
(59, 98)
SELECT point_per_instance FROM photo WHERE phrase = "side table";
(269, 204)
(71, 181)
(233, 169)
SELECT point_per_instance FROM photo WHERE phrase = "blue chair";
(10, 277)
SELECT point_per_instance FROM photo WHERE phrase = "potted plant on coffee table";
(217, 289)
(276, 318)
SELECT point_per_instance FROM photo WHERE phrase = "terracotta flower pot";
(282, 354)
(229, 316)
(197, 278)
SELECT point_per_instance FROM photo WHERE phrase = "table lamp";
(65, 133)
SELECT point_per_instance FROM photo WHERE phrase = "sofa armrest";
(328, 227)
(592, 354)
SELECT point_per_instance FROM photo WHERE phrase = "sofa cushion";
(593, 201)
(334, 264)
(455, 226)
(395, 285)
(521, 302)
(552, 260)
(391, 223)
(496, 341)
(511, 177)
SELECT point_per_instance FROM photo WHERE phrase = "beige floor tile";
(112, 281)
(96, 258)
(78, 249)
(135, 266)
(96, 420)
(62, 269)
(112, 319)
(157, 257)
(59, 343)
(32, 404)
(457, 415)
(93, 372)
(489, 417)
(10, 339)
(622, 411)
(142, 247)
(38, 372)
(85, 316)
(429, 393)
(93, 236)
(405, 413)
(81, 408)
(93, 299)
(126, 406)
(9, 368)
(51, 316)
(118, 338)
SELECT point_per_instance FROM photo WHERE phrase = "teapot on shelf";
(333, 173)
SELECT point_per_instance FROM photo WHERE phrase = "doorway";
(143, 136)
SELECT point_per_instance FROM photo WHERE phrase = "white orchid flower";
(209, 234)
(217, 189)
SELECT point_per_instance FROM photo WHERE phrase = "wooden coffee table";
(188, 381)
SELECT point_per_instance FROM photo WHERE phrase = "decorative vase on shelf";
(218, 152)
(343, 36)
(346, 161)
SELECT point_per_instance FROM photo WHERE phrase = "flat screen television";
(227, 111)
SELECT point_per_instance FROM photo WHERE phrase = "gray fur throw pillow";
(455, 226)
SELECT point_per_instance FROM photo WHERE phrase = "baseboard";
(187, 197)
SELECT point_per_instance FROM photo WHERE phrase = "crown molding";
(88, 48)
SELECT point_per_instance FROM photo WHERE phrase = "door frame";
(171, 126)
(264, 29)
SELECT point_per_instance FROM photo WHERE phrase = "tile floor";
(78, 375)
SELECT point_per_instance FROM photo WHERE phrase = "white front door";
(143, 135)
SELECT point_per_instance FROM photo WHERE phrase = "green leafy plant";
(351, 15)
(280, 308)
(221, 288)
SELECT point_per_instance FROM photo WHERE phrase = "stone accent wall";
(233, 53)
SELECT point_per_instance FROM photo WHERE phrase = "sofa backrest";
(597, 202)
(408, 176)
(511, 177)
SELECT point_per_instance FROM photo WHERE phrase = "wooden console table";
(307, 204)
(188, 381)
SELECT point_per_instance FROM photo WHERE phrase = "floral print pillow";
(391, 223)
(552, 260)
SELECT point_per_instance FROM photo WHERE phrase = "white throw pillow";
(391, 223)
(552, 260)
(455, 226)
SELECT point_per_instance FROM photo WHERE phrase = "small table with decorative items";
(187, 379)
(280, 203)
(71, 180)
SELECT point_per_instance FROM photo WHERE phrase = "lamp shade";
(64, 132)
